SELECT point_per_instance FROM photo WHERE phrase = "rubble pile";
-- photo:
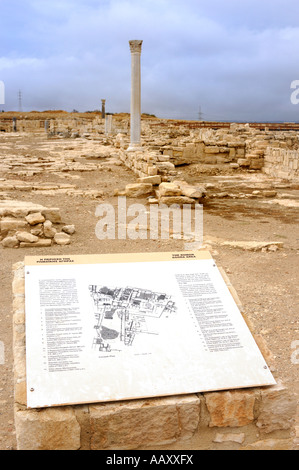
(27, 225)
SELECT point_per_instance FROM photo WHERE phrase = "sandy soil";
(266, 282)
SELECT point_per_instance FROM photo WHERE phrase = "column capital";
(135, 45)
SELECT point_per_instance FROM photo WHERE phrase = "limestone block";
(49, 230)
(37, 230)
(269, 193)
(256, 164)
(165, 166)
(52, 214)
(271, 444)
(35, 218)
(190, 191)
(211, 149)
(243, 162)
(154, 180)
(69, 229)
(231, 409)
(10, 224)
(62, 239)
(138, 189)
(130, 425)
(152, 171)
(47, 429)
(230, 437)
(26, 237)
(169, 189)
(41, 243)
(162, 158)
(10, 242)
(278, 409)
(180, 200)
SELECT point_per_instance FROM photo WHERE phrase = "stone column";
(135, 143)
(103, 109)
(108, 124)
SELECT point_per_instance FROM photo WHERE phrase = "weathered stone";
(35, 218)
(129, 425)
(180, 200)
(278, 409)
(269, 193)
(238, 438)
(62, 239)
(152, 170)
(10, 242)
(211, 149)
(138, 189)
(8, 224)
(165, 166)
(47, 429)
(26, 237)
(69, 229)
(230, 409)
(41, 243)
(49, 230)
(169, 189)
(52, 214)
(37, 230)
(21, 393)
(18, 286)
(271, 444)
(252, 246)
(190, 191)
(18, 209)
(150, 179)
(243, 162)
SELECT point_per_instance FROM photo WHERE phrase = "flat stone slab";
(18, 208)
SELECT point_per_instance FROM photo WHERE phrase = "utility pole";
(200, 114)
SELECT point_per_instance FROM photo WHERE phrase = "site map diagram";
(122, 314)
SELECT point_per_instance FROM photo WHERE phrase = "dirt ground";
(266, 282)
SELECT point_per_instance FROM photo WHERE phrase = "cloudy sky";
(210, 59)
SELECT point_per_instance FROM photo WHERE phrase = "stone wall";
(240, 146)
(256, 418)
(282, 163)
(27, 225)
(149, 163)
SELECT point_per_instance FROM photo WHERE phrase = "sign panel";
(115, 327)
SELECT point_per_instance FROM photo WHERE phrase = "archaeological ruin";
(57, 167)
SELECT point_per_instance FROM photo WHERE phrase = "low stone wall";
(256, 418)
(27, 225)
(149, 163)
(282, 163)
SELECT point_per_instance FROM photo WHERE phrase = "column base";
(134, 148)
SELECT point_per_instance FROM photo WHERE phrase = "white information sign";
(115, 327)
